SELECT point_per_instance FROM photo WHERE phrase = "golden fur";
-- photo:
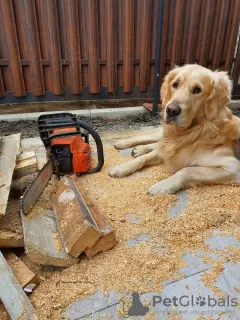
(200, 144)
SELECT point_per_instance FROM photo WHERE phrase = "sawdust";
(57, 241)
(43, 203)
(143, 267)
(209, 278)
(10, 225)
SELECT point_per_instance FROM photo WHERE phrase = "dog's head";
(191, 93)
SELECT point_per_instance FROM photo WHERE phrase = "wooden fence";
(95, 49)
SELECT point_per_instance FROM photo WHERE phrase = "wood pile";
(55, 233)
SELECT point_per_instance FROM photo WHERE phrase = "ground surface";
(29, 129)
(185, 245)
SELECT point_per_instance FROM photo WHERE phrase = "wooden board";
(77, 228)
(107, 239)
(22, 273)
(26, 164)
(11, 235)
(13, 296)
(42, 241)
(10, 147)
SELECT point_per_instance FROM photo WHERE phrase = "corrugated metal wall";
(86, 49)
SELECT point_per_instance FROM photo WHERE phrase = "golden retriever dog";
(200, 136)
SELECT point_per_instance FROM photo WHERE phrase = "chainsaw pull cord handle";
(99, 145)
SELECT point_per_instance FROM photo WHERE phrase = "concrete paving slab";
(108, 113)
(176, 210)
(9, 150)
(221, 242)
(117, 113)
(188, 297)
(133, 219)
(139, 239)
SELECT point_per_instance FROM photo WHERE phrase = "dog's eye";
(175, 85)
(196, 90)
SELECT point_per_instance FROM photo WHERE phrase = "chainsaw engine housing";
(71, 154)
(66, 140)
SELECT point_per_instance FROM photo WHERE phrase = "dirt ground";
(29, 129)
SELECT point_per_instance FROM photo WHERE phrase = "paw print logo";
(201, 301)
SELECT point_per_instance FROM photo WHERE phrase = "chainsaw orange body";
(80, 150)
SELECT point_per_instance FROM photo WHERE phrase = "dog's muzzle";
(173, 110)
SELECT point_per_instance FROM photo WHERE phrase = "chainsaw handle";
(99, 145)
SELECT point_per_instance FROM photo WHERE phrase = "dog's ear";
(220, 94)
(165, 91)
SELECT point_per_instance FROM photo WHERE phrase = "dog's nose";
(173, 109)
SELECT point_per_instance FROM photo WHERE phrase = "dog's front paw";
(164, 187)
(123, 144)
(139, 151)
(118, 172)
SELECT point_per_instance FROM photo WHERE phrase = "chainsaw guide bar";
(35, 189)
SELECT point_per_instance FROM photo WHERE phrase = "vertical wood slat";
(219, 39)
(205, 31)
(233, 24)
(38, 87)
(2, 91)
(6, 7)
(146, 6)
(194, 14)
(111, 46)
(74, 46)
(177, 32)
(166, 9)
(54, 46)
(128, 12)
(92, 32)
(236, 68)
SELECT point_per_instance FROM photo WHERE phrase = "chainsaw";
(66, 140)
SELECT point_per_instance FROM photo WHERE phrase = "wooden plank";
(73, 40)
(26, 164)
(231, 34)
(10, 147)
(236, 68)
(128, 45)
(205, 28)
(22, 273)
(11, 235)
(177, 32)
(194, 15)
(13, 49)
(38, 88)
(107, 240)
(166, 11)
(41, 237)
(146, 6)
(13, 296)
(77, 228)
(54, 46)
(92, 34)
(2, 91)
(111, 46)
(219, 40)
